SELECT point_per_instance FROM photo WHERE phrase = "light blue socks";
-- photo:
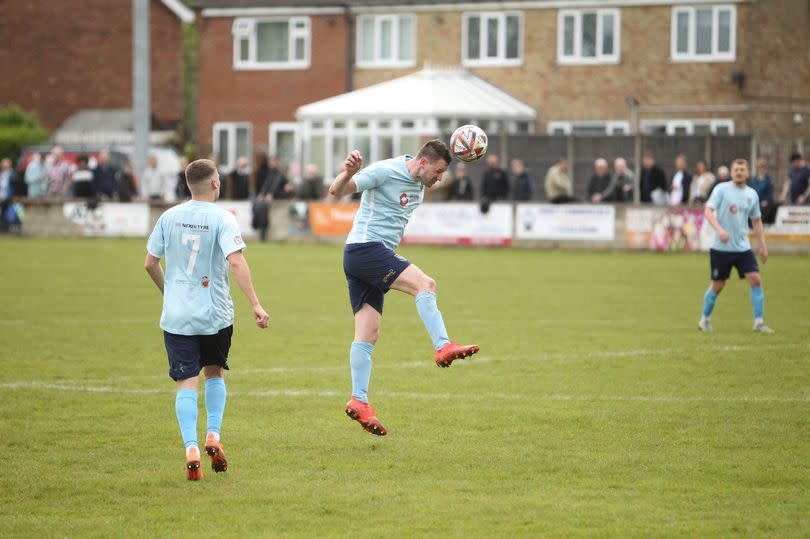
(360, 360)
(432, 318)
(758, 302)
(709, 299)
(185, 405)
(215, 395)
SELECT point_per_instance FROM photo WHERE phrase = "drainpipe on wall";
(347, 15)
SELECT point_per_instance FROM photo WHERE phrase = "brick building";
(601, 67)
(60, 57)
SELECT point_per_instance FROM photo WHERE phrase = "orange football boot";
(193, 469)
(453, 351)
(219, 462)
(363, 413)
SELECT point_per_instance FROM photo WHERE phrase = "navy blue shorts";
(722, 262)
(188, 354)
(370, 268)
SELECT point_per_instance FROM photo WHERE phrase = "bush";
(18, 128)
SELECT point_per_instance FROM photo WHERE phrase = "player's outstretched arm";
(155, 270)
(760, 233)
(241, 272)
(343, 184)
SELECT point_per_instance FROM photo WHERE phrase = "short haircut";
(198, 172)
(743, 162)
(795, 156)
(433, 150)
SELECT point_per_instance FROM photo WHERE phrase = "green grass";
(594, 408)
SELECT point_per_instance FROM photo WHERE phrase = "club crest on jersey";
(204, 282)
(403, 199)
(733, 208)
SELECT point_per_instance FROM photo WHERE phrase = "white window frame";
(500, 60)
(577, 58)
(230, 128)
(690, 55)
(688, 125)
(378, 62)
(284, 127)
(567, 127)
(245, 28)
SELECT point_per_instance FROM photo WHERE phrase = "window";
(588, 36)
(231, 141)
(724, 126)
(619, 127)
(704, 34)
(491, 39)
(271, 43)
(285, 142)
(386, 41)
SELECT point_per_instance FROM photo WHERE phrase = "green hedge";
(18, 128)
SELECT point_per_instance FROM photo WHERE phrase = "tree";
(18, 128)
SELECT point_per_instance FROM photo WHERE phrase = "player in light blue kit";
(200, 242)
(730, 206)
(392, 189)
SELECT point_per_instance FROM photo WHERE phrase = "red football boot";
(364, 414)
(193, 469)
(219, 462)
(447, 354)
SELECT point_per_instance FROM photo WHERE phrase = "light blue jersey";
(389, 197)
(196, 237)
(733, 206)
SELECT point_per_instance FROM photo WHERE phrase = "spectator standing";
(181, 190)
(653, 181)
(104, 176)
(495, 182)
(601, 188)
(18, 186)
(681, 182)
(276, 185)
(559, 188)
(152, 180)
(762, 183)
(82, 178)
(461, 188)
(260, 176)
(312, 184)
(702, 183)
(126, 185)
(797, 189)
(59, 170)
(238, 187)
(624, 179)
(522, 182)
(35, 177)
(6, 177)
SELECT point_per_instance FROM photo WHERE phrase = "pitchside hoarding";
(565, 222)
(460, 224)
(111, 219)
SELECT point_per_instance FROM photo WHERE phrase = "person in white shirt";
(152, 181)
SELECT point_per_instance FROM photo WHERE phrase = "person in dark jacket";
(181, 189)
(653, 181)
(762, 183)
(238, 181)
(462, 187)
(312, 184)
(276, 186)
(601, 188)
(495, 182)
(104, 176)
(522, 185)
(260, 176)
(681, 182)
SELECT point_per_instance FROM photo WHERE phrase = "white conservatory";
(390, 118)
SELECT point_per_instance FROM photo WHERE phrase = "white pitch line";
(297, 393)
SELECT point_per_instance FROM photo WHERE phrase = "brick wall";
(59, 57)
(772, 49)
(264, 96)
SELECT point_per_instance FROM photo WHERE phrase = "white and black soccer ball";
(469, 143)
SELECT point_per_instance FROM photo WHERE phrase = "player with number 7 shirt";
(201, 243)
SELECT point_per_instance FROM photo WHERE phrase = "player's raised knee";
(754, 279)
(428, 285)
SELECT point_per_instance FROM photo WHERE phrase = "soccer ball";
(469, 143)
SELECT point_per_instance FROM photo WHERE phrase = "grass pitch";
(594, 408)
